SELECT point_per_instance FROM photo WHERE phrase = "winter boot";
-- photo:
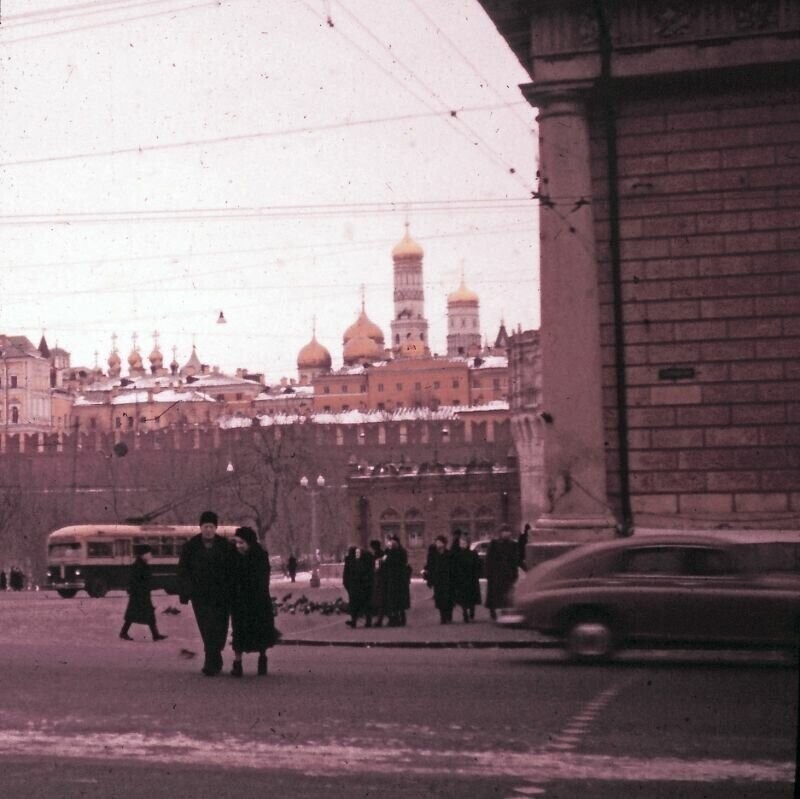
(262, 665)
(236, 670)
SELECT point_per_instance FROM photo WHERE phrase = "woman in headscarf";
(252, 617)
(140, 608)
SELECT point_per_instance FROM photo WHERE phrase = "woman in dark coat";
(502, 563)
(140, 608)
(438, 577)
(357, 578)
(397, 582)
(465, 568)
(376, 602)
(252, 617)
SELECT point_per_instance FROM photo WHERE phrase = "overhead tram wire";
(526, 123)
(296, 211)
(487, 148)
(306, 129)
(109, 23)
(349, 248)
(49, 16)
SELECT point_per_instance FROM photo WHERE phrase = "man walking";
(205, 576)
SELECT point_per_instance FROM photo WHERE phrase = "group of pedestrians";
(453, 573)
(15, 581)
(227, 584)
(378, 583)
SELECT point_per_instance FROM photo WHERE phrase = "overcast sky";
(165, 160)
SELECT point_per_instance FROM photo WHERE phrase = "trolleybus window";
(100, 549)
(62, 550)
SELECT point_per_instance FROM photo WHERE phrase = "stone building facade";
(670, 269)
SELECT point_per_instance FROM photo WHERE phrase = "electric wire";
(239, 137)
(526, 123)
(486, 147)
(109, 23)
(66, 13)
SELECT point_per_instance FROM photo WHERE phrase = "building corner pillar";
(573, 449)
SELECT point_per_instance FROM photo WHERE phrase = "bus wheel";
(97, 587)
(67, 593)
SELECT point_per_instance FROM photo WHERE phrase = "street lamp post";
(315, 558)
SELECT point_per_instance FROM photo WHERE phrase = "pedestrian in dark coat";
(16, 579)
(140, 608)
(438, 577)
(252, 616)
(3, 583)
(502, 563)
(291, 567)
(205, 577)
(357, 578)
(377, 600)
(397, 582)
(522, 543)
(465, 568)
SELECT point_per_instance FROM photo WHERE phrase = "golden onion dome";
(155, 357)
(407, 248)
(314, 356)
(363, 327)
(462, 295)
(135, 359)
(114, 359)
(360, 349)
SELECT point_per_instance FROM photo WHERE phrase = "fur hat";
(209, 517)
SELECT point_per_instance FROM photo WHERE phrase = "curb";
(423, 644)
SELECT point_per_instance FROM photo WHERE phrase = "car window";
(654, 560)
(708, 561)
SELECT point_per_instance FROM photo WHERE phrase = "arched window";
(415, 529)
(485, 524)
(14, 415)
(390, 523)
(460, 520)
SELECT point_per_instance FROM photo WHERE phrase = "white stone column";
(575, 500)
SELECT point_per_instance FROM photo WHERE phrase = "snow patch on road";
(331, 759)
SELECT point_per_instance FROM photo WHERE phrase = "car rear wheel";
(590, 638)
(97, 587)
(67, 593)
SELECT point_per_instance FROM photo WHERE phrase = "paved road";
(83, 714)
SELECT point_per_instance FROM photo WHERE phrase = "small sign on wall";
(676, 373)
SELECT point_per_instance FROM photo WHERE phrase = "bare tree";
(269, 464)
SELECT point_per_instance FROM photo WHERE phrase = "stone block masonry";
(711, 295)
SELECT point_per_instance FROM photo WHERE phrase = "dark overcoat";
(465, 567)
(438, 576)
(206, 574)
(252, 616)
(378, 596)
(357, 577)
(502, 563)
(140, 605)
(397, 580)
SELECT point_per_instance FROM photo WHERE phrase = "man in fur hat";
(205, 577)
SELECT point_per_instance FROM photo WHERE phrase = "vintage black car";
(659, 588)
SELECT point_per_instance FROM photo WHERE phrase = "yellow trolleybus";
(97, 557)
